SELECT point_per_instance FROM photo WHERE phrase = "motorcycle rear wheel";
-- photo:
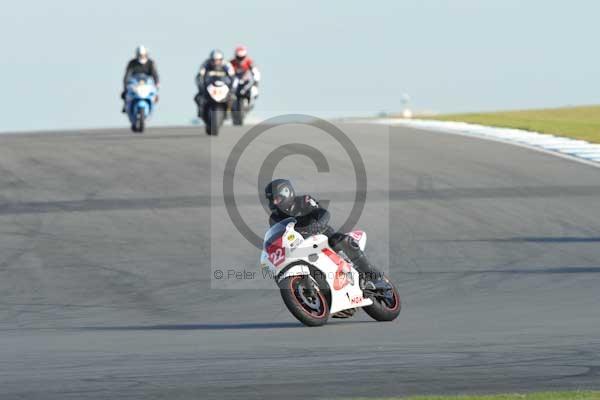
(309, 305)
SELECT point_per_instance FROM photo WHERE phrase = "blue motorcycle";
(141, 98)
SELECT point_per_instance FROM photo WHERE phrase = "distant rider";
(213, 66)
(313, 219)
(242, 64)
(141, 64)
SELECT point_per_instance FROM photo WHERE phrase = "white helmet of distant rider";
(216, 57)
(141, 53)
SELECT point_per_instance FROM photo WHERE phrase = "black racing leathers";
(207, 70)
(313, 219)
(136, 67)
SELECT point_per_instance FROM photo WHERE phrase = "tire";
(216, 118)
(385, 309)
(133, 123)
(310, 310)
(238, 112)
(206, 119)
(140, 121)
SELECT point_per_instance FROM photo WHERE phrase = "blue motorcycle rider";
(141, 64)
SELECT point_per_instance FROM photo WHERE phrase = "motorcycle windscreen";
(144, 90)
(140, 78)
(276, 232)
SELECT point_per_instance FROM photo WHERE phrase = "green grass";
(575, 122)
(530, 396)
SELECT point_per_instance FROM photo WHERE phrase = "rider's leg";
(253, 95)
(123, 98)
(350, 247)
(199, 99)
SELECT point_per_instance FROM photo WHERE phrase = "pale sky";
(62, 60)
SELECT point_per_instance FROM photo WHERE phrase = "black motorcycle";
(215, 102)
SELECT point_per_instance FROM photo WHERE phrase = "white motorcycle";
(316, 282)
(246, 93)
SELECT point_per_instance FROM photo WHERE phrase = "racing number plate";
(276, 252)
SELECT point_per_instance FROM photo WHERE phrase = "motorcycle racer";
(242, 65)
(213, 66)
(312, 220)
(141, 64)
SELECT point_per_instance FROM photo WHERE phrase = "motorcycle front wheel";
(216, 116)
(306, 302)
(140, 121)
(386, 301)
(239, 111)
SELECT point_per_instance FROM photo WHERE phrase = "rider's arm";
(127, 72)
(322, 218)
(200, 76)
(315, 218)
(256, 74)
(314, 223)
(154, 72)
(230, 70)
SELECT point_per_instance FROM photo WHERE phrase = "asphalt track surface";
(105, 275)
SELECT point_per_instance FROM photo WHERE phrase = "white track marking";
(572, 149)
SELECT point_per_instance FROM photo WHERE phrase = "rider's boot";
(371, 280)
(199, 100)
(367, 271)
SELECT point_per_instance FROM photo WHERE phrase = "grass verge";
(577, 395)
(575, 122)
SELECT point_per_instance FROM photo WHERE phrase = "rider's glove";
(317, 228)
(313, 229)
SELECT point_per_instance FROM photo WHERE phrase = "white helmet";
(216, 57)
(141, 53)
